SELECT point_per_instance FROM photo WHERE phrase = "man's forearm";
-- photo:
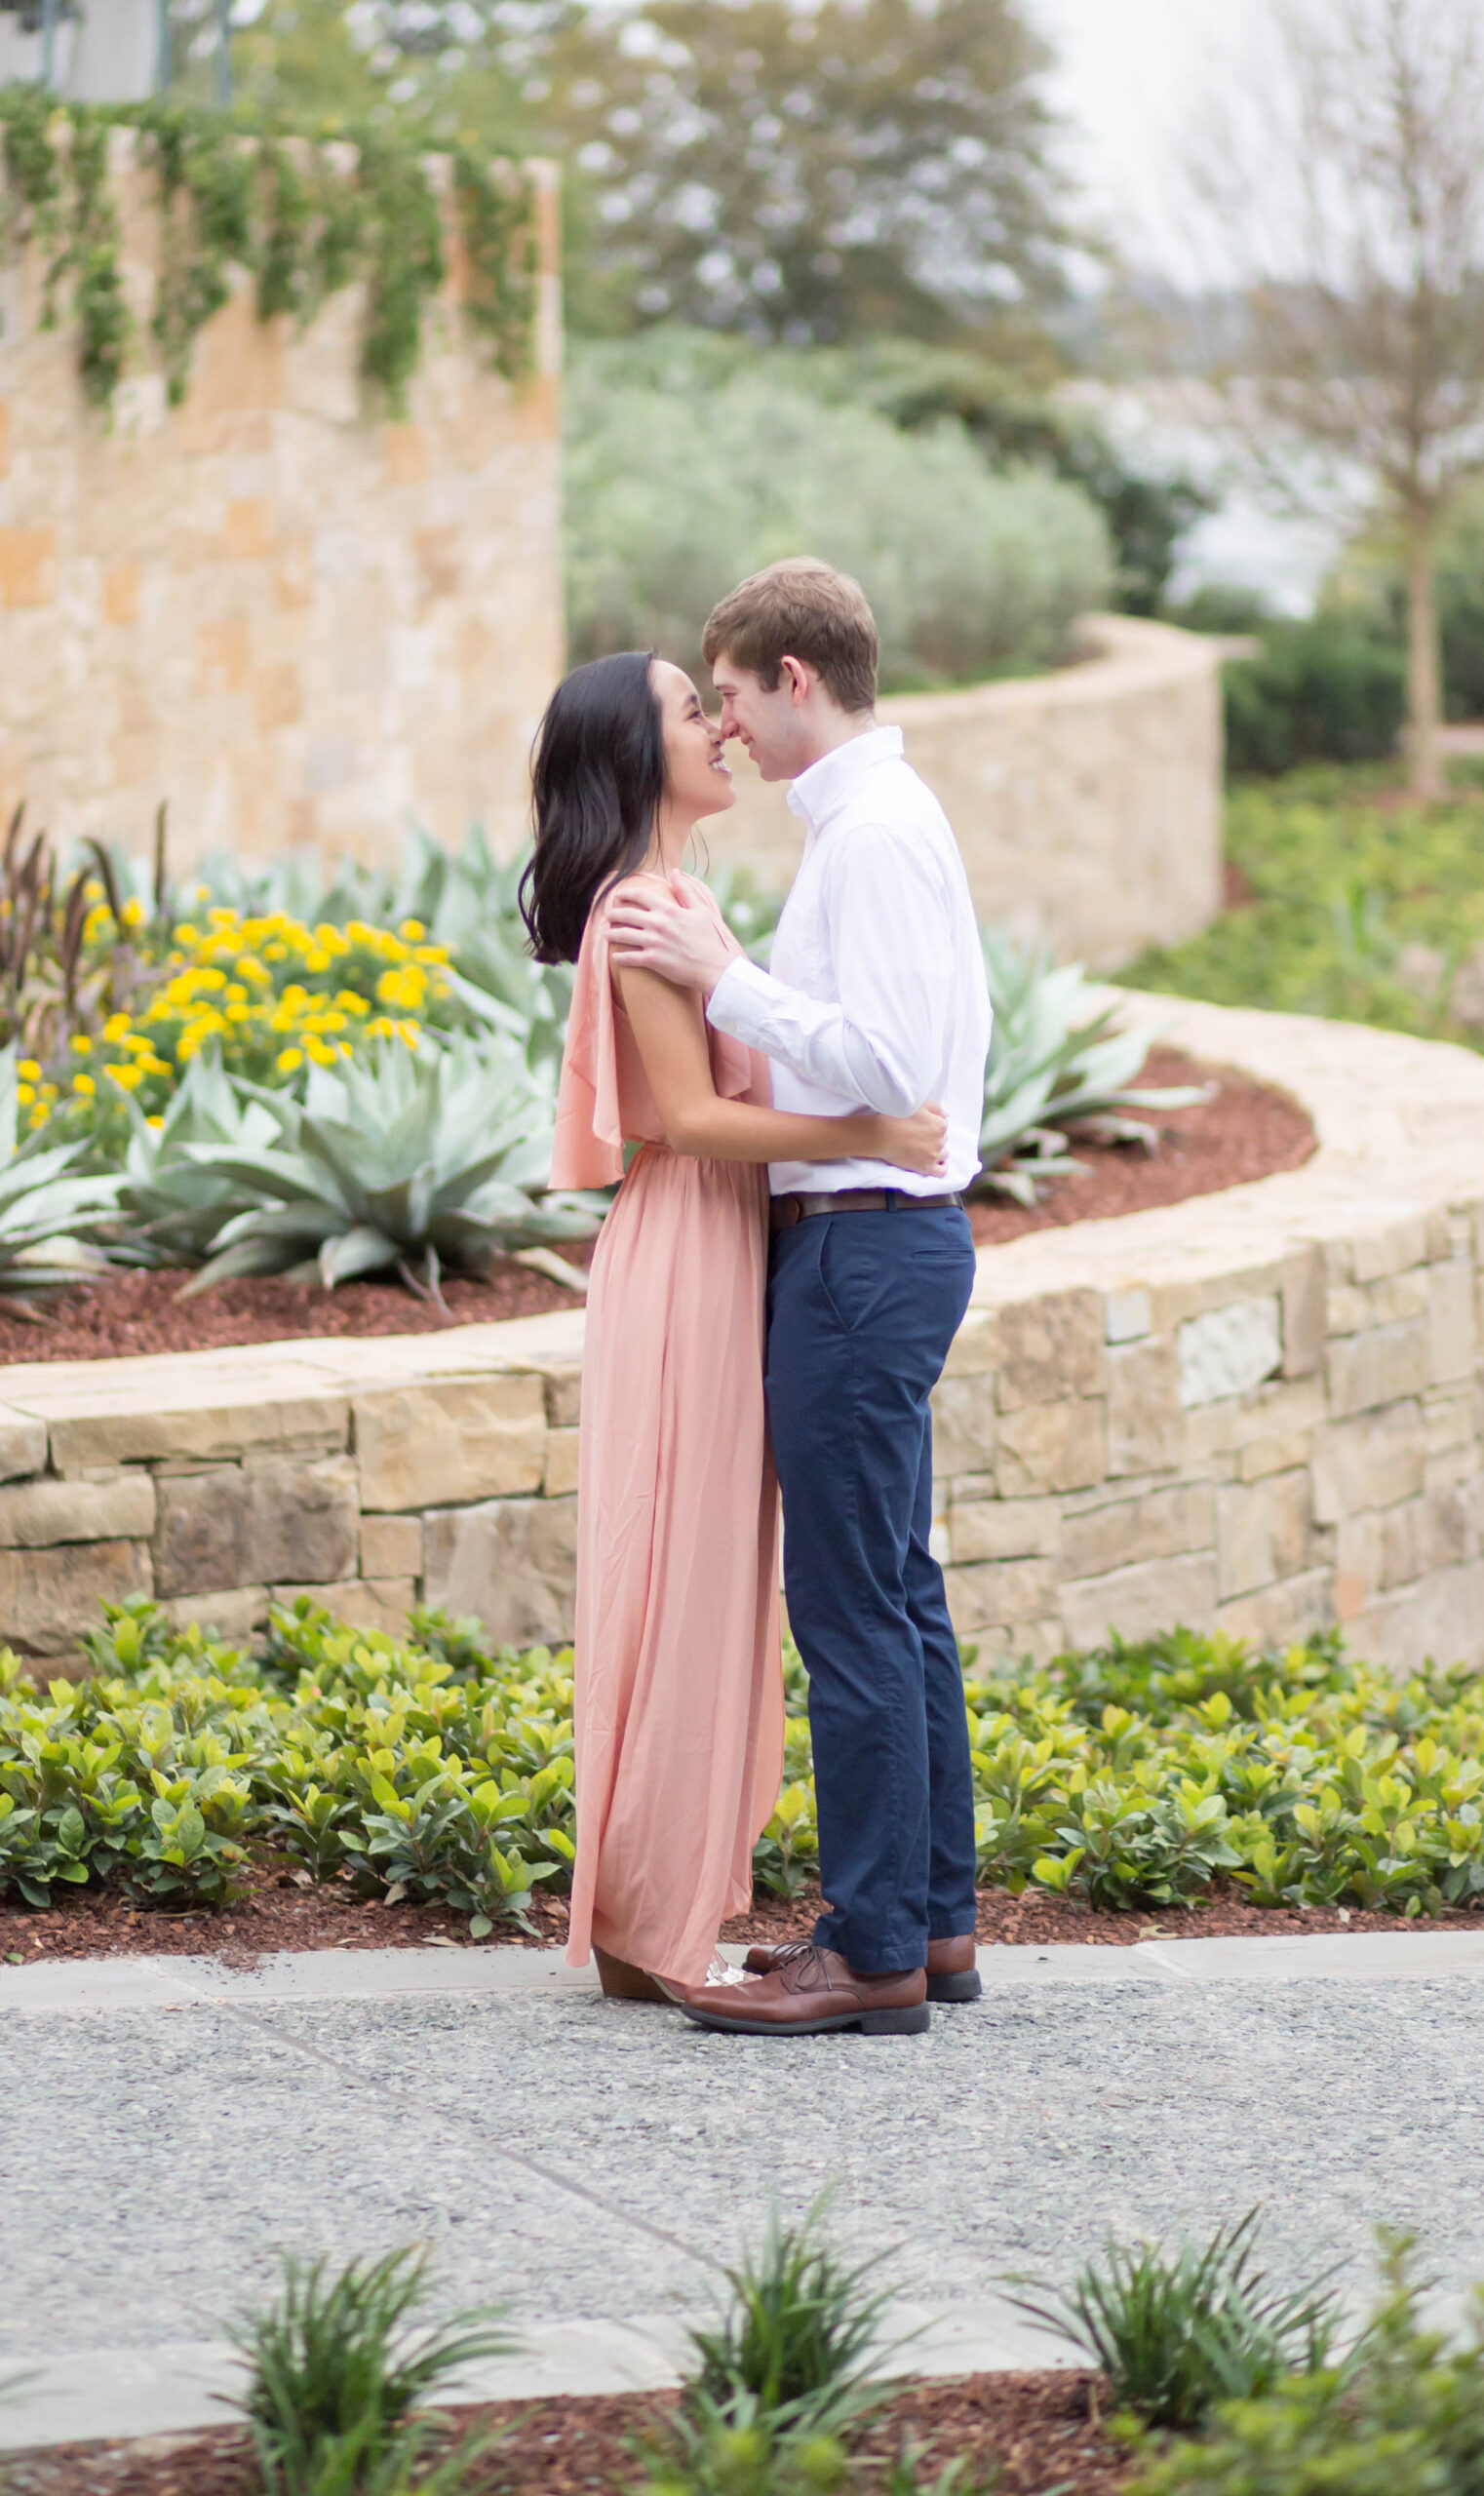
(816, 1041)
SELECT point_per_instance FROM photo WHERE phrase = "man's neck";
(830, 733)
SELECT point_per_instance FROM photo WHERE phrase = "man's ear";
(798, 675)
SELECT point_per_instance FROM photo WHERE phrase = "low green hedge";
(428, 1767)
(1320, 692)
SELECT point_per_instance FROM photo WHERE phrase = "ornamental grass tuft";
(338, 2379)
(1176, 2332)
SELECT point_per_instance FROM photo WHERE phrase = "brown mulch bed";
(279, 1914)
(135, 1313)
(1246, 1131)
(1022, 2433)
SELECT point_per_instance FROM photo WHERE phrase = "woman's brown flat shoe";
(622, 1982)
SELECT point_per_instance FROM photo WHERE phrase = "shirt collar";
(818, 792)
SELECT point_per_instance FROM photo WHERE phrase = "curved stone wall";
(1087, 803)
(1260, 1411)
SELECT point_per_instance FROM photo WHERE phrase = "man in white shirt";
(877, 999)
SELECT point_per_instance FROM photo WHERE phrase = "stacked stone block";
(1260, 1411)
(1263, 1450)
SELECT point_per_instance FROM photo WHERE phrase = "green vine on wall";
(305, 220)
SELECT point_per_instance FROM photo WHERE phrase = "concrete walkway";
(172, 2125)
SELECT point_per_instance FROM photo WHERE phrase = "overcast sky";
(1130, 70)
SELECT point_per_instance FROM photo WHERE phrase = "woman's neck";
(667, 845)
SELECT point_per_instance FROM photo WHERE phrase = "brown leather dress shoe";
(952, 1975)
(807, 1992)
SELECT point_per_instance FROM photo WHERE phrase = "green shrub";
(431, 1769)
(1402, 2416)
(1319, 691)
(1361, 910)
(678, 488)
(336, 2385)
(1176, 2334)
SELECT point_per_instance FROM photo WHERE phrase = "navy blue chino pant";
(862, 1308)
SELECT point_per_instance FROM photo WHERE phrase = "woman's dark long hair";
(598, 775)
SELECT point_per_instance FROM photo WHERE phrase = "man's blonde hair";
(798, 609)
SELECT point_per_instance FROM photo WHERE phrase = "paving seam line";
(150, 1983)
(180, 2386)
(409, 2099)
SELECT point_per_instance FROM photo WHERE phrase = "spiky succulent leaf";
(392, 1156)
(50, 1210)
(1057, 1064)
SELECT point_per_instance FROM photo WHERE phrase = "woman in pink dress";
(679, 1704)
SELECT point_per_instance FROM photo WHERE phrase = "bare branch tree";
(1342, 188)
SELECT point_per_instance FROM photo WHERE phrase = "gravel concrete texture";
(596, 2160)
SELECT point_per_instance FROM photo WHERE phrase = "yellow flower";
(383, 1027)
(116, 1029)
(275, 952)
(136, 1044)
(127, 1075)
(413, 930)
(317, 959)
(238, 1013)
(318, 1053)
(250, 968)
(237, 995)
(25, 1093)
(186, 934)
(156, 1124)
(81, 1043)
(48, 1091)
(153, 1064)
(39, 1115)
(93, 890)
(134, 913)
(84, 1085)
(30, 1069)
(288, 1061)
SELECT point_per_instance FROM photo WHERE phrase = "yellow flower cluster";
(273, 994)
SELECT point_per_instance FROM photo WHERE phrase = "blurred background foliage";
(818, 264)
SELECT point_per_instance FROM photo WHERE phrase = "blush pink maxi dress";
(679, 1704)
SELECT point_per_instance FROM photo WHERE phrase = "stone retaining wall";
(1260, 1410)
(293, 620)
(1087, 803)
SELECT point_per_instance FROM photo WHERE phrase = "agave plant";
(175, 1203)
(50, 1209)
(1056, 1063)
(411, 1159)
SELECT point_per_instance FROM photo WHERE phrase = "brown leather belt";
(787, 1209)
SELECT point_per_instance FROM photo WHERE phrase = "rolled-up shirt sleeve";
(890, 937)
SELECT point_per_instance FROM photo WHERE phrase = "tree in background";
(796, 172)
(1345, 182)
(318, 64)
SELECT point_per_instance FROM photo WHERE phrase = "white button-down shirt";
(876, 998)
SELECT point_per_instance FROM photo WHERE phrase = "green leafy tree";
(799, 174)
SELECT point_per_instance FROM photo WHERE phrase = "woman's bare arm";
(670, 1030)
